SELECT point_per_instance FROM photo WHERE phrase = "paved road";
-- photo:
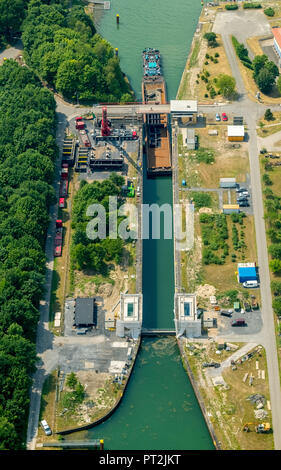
(252, 111)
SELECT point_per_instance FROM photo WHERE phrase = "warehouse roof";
(235, 131)
(84, 311)
(247, 272)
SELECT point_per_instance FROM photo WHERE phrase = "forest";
(62, 46)
(95, 254)
(27, 154)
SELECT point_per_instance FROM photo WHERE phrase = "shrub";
(206, 63)
(268, 116)
(201, 199)
(231, 7)
(213, 93)
(266, 179)
(204, 155)
(216, 61)
(251, 5)
(206, 95)
(207, 56)
(269, 11)
(217, 54)
(276, 287)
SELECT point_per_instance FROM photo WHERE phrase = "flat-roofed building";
(186, 321)
(130, 319)
(235, 133)
(276, 31)
(184, 108)
(85, 312)
(230, 208)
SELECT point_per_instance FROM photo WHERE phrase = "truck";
(79, 123)
(84, 138)
(63, 181)
(58, 238)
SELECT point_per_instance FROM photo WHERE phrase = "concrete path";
(12, 52)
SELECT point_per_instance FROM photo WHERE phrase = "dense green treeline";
(89, 252)
(12, 13)
(62, 46)
(27, 154)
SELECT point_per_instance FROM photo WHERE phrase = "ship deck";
(157, 139)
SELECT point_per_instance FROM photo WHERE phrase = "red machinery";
(58, 238)
(105, 129)
(79, 123)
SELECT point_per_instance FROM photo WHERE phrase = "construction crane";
(260, 428)
(105, 129)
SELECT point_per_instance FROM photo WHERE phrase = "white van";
(251, 284)
(46, 427)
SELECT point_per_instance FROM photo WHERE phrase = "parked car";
(224, 117)
(226, 313)
(218, 118)
(250, 284)
(241, 190)
(243, 203)
(239, 322)
(211, 364)
(46, 427)
(242, 199)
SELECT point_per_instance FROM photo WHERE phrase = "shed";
(190, 139)
(235, 133)
(247, 273)
(85, 312)
(227, 182)
(230, 209)
(209, 319)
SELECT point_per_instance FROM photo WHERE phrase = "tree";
(269, 11)
(71, 380)
(265, 73)
(275, 265)
(211, 38)
(268, 116)
(227, 85)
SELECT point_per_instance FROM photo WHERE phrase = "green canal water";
(159, 409)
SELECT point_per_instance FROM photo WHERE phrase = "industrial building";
(276, 31)
(228, 183)
(235, 133)
(130, 319)
(247, 272)
(186, 321)
(84, 314)
(230, 209)
(184, 108)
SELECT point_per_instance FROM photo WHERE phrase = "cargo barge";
(158, 150)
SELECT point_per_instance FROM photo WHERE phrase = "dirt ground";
(229, 161)
(227, 405)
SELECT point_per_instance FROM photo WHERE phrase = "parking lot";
(253, 321)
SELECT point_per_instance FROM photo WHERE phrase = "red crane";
(105, 129)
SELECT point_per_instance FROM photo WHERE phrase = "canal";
(159, 409)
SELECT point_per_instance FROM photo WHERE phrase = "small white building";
(190, 139)
(130, 319)
(227, 182)
(235, 133)
(186, 320)
(184, 108)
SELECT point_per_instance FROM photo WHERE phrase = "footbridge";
(119, 110)
(157, 332)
